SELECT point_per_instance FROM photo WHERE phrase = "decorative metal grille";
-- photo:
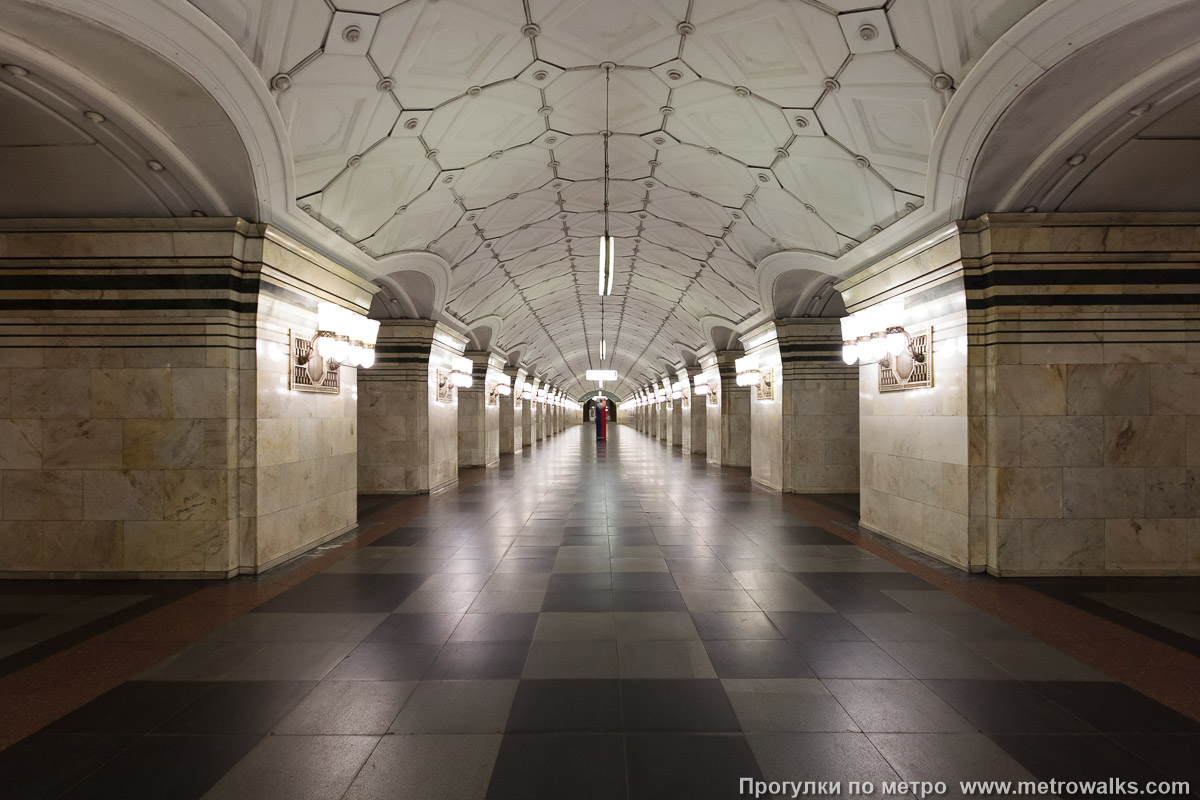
(445, 389)
(765, 388)
(300, 377)
(903, 372)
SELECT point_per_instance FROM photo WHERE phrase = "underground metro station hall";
(599, 399)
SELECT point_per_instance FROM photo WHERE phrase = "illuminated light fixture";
(603, 350)
(600, 375)
(460, 372)
(608, 246)
(342, 338)
(701, 385)
(501, 388)
(677, 390)
(608, 249)
(526, 391)
(748, 373)
(541, 395)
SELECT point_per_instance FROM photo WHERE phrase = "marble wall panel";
(150, 454)
(1077, 398)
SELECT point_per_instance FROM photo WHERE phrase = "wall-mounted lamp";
(749, 373)
(342, 338)
(501, 388)
(460, 372)
(703, 388)
(905, 359)
(677, 390)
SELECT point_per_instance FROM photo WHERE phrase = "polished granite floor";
(601, 621)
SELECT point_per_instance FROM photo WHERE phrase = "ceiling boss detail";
(478, 130)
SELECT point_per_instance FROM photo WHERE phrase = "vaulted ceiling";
(473, 129)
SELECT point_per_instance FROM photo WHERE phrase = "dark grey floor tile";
(347, 708)
(43, 766)
(951, 757)
(479, 661)
(237, 707)
(897, 706)
(495, 628)
(432, 628)
(850, 660)
(820, 756)
(1114, 707)
(584, 581)
(344, 593)
(786, 706)
(566, 706)
(1076, 758)
(649, 600)
(386, 661)
(815, 627)
(897, 627)
(677, 706)
(444, 767)
(553, 766)
(458, 706)
(295, 768)
(757, 659)
(644, 582)
(735, 625)
(134, 707)
(1006, 707)
(578, 601)
(155, 767)
(943, 660)
(695, 766)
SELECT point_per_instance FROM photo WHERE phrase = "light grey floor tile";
(706, 581)
(1035, 661)
(929, 601)
(943, 660)
(443, 582)
(664, 660)
(575, 626)
(841, 757)
(800, 598)
(896, 706)
(639, 565)
(897, 627)
(347, 708)
(571, 660)
(295, 768)
(298, 628)
(786, 706)
(518, 582)
(507, 602)
(457, 707)
(949, 757)
(436, 602)
(455, 767)
(655, 625)
(709, 600)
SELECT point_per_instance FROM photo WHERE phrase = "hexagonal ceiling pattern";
(473, 129)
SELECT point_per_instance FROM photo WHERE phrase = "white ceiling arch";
(876, 150)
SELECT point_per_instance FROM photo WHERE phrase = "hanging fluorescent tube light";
(603, 349)
(607, 254)
(601, 375)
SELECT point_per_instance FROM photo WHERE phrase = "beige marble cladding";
(479, 412)
(729, 417)
(511, 440)
(819, 396)
(1062, 420)
(409, 438)
(156, 443)
(766, 414)
(529, 415)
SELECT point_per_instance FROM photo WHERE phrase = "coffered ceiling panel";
(474, 129)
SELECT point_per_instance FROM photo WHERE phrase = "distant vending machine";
(601, 418)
